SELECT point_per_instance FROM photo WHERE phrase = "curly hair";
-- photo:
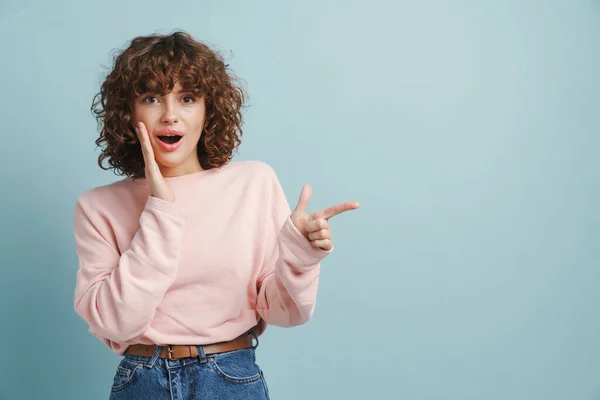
(154, 64)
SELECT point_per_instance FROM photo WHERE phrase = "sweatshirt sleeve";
(287, 285)
(118, 294)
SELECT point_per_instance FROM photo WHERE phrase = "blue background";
(467, 130)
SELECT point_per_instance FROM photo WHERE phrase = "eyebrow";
(188, 91)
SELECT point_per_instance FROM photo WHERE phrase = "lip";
(167, 146)
(172, 131)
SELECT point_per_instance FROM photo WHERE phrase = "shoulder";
(104, 196)
(253, 169)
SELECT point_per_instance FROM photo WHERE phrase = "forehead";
(160, 83)
(177, 87)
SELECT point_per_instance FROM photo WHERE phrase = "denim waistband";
(201, 357)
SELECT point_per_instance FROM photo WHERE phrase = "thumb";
(303, 200)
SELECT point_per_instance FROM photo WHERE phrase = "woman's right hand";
(158, 186)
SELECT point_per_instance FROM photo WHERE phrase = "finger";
(338, 209)
(317, 224)
(322, 234)
(139, 133)
(140, 137)
(147, 150)
(325, 244)
(146, 139)
(303, 199)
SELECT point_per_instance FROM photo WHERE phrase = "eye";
(145, 100)
(188, 97)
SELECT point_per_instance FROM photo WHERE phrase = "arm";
(288, 283)
(118, 294)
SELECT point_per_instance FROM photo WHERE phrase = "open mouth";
(169, 139)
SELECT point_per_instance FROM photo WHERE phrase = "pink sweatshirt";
(224, 258)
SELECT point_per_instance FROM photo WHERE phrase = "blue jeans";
(231, 375)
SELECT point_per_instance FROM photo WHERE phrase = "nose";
(170, 114)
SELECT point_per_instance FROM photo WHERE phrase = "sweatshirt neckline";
(180, 178)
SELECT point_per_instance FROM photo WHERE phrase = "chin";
(169, 162)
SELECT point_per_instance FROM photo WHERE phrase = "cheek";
(135, 118)
(143, 114)
(144, 118)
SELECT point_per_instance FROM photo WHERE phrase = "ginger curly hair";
(153, 64)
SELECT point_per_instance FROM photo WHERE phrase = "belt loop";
(255, 337)
(201, 355)
(154, 357)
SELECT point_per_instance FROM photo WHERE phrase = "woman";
(186, 260)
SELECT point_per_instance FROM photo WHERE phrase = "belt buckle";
(170, 351)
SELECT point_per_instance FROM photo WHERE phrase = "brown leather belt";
(176, 352)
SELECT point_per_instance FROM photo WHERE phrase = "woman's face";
(178, 111)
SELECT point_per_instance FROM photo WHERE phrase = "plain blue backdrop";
(467, 130)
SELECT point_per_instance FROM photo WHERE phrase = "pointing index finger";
(337, 209)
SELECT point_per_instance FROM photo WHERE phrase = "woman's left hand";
(315, 226)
